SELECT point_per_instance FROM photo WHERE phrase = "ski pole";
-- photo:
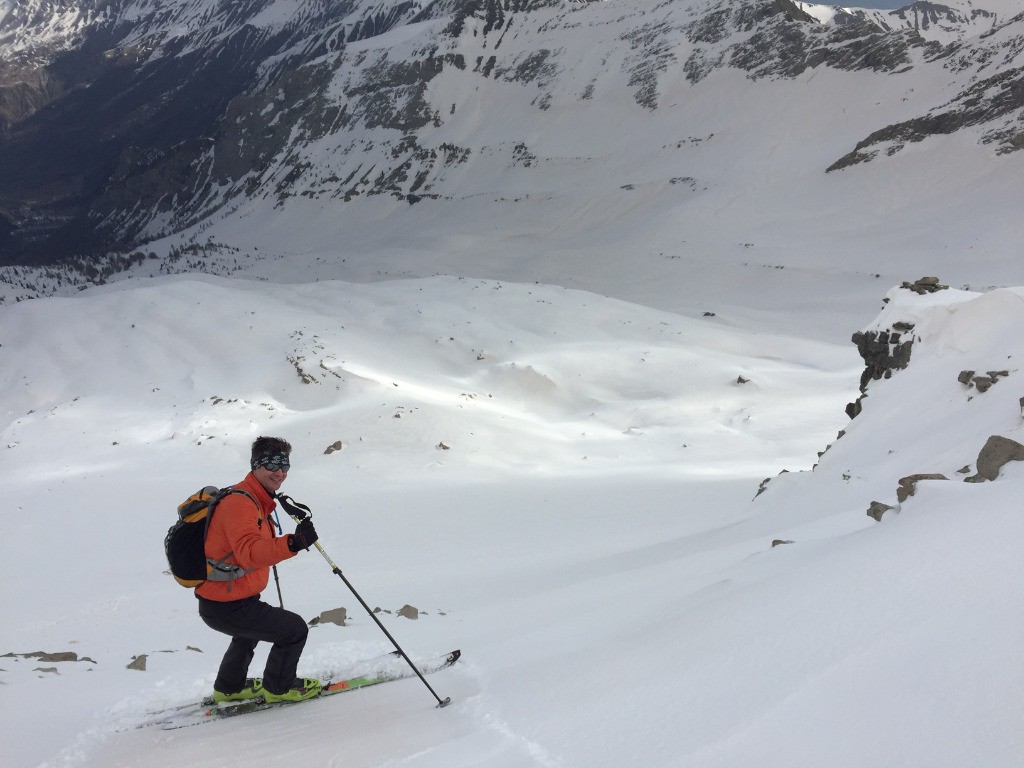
(277, 581)
(299, 512)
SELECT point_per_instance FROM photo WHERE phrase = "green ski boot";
(253, 689)
(308, 688)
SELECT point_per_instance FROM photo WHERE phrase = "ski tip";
(454, 656)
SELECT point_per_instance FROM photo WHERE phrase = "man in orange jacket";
(242, 532)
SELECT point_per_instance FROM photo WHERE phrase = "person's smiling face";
(271, 474)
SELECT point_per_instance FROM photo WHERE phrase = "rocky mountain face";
(122, 121)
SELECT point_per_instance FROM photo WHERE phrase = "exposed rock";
(876, 509)
(990, 102)
(925, 285)
(981, 382)
(764, 483)
(138, 663)
(333, 616)
(335, 446)
(883, 352)
(997, 452)
(52, 657)
(409, 612)
(908, 485)
(60, 656)
(778, 542)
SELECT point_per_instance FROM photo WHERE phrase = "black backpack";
(185, 543)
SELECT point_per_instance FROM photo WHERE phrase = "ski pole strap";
(293, 508)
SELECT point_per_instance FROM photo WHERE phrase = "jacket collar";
(251, 485)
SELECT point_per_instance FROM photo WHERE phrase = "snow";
(1003, 9)
(590, 538)
(556, 417)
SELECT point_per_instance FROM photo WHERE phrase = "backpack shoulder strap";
(245, 493)
(223, 569)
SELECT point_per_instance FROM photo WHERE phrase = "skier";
(242, 531)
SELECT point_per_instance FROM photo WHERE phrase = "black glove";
(304, 536)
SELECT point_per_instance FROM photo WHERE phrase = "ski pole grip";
(293, 508)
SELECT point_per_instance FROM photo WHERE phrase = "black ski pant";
(248, 622)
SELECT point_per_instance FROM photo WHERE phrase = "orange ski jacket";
(248, 535)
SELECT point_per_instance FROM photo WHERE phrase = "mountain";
(208, 130)
(555, 302)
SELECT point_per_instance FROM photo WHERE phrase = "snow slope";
(556, 412)
(589, 536)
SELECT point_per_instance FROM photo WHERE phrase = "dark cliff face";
(125, 115)
(883, 352)
(146, 114)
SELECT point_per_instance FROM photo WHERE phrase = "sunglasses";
(277, 462)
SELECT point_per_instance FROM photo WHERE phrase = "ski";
(207, 701)
(206, 711)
